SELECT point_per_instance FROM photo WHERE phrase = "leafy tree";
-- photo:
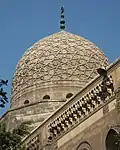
(10, 140)
(3, 97)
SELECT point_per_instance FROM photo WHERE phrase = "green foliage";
(10, 140)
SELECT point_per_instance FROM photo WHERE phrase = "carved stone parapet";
(34, 143)
(82, 107)
(117, 94)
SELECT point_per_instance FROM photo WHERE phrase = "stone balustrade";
(34, 144)
(81, 108)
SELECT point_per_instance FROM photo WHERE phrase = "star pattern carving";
(59, 57)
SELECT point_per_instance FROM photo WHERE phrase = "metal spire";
(62, 21)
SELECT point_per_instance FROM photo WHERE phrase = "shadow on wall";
(111, 140)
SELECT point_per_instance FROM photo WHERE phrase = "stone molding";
(84, 145)
(83, 107)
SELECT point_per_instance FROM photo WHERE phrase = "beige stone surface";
(59, 64)
(84, 125)
(91, 130)
(59, 60)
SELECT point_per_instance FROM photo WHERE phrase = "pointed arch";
(84, 146)
(110, 141)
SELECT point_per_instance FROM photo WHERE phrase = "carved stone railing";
(82, 107)
(34, 144)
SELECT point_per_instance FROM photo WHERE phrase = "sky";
(24, 22)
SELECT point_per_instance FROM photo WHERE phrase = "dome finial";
(62, 21)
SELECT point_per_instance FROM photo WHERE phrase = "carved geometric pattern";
(59, 57)
(34, 144)
(84, 146)
(80, 108)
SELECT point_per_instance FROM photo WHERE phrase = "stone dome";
(59, 60)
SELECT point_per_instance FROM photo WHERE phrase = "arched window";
(46, 97)
(26, 102)
(84, 146)
(69, 95)
(111, 140)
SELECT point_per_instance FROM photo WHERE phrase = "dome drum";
(59, 64)
(56, 93)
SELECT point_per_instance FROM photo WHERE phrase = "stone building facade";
(56, 85)
(83, 123)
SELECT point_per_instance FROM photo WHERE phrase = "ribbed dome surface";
(59, 57)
